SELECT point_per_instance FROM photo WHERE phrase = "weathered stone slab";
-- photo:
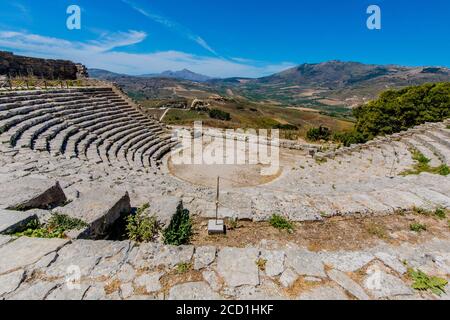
(268, 290)
(204, 256)
(11, 281)
(382, 285)
(164, 207)
(26, 251)
(274, 262)
(149, 281)
(35, 291)
(238, 266)
(5, 239)
(151, 255)
(348, 284)
(30, 193)
(346, 261)
(392, 262)
(327, 292)
(99, 208)
(305, 262)
(212, 279)
(65, 292)
(288, 278)
(10, 221)
(93, 258)
(193, 291)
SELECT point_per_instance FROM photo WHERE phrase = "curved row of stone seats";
(431, 139)
(92, 124)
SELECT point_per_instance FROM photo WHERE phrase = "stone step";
(31, 193)
(100, 213)
(118, 150)
(100, 135)
(433, 146)
(415, 144)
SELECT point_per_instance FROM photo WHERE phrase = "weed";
(233, 223)
(417, 227)
(141, 227)
(440, 213)
(377, 230)
(281, 223)
(423, 165)
(55, 228)
(261, 263)
(179, 231)
(424, 282)
(183, 267)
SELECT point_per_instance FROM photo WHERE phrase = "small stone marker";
(216, 227)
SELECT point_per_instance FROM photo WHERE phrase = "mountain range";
(331, 86)
(184, 74)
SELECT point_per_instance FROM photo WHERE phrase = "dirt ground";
(234, 175)
(337, 233)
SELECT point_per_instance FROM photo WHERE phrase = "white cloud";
(101, 54)
(180, 29)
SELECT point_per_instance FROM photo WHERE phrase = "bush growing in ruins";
(219, 114)
(179, 231)
(142, 227)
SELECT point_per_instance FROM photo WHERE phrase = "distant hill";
(184, 74)
(331, 85)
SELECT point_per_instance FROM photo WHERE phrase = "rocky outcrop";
(20, 66)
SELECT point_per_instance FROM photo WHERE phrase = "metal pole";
(217, 199)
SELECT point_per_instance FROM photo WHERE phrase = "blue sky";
(227, 38)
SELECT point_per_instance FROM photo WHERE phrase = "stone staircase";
(93, 124)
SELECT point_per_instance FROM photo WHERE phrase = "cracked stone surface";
(383, 285)
(149, 281)
(348, 284)
(11, 281)
(193, 291)
(204, 256)
(238, 266)
(31, 250)
(274, 262)
(327, 292)
(305, 263)
(347, 261)
(119, 270)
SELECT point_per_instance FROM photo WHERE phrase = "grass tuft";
(281, 223)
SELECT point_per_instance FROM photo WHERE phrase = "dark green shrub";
(316, 134)
(179, 231)
(219, 114)
(397, 110)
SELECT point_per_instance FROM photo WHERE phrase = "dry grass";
(336, 233)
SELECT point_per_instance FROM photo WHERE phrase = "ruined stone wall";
(20, 66)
